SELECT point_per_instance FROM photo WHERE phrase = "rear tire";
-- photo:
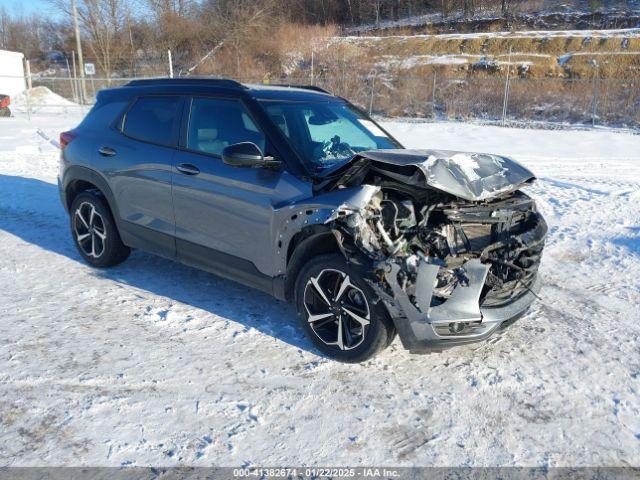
(94, 231)
(339, 311)
(5, 112)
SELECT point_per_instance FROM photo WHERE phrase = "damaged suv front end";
(447, 240)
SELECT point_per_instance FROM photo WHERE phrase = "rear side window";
(152, 119)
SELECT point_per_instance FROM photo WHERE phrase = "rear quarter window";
(103, 114)
(152, 119)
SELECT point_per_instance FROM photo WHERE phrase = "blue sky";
(28, 6)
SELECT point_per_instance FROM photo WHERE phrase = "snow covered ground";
(155, 363)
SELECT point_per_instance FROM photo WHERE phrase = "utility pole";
(170, 63)
(83, 93)
(506, 90)
(72, 84)
(373, 92)
(312, 68)
(596, 91)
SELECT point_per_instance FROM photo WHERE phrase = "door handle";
(106, 151)
(188, 169)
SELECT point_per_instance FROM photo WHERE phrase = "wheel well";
(309, 243)
(75, 188)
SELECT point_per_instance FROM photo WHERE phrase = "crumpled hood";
(470, 176)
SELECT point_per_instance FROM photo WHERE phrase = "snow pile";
(156, 363)
(42, 99)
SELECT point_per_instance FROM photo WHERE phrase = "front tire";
(94, 231)
(339, 311)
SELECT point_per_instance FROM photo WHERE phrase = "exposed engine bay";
(448, 234)
(436, 258)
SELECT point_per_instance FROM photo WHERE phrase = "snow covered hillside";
(156, 363)
(528, 15)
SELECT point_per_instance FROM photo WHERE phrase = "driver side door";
(224, 213)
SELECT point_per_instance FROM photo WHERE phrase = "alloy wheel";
(337, 310)
(89, 230)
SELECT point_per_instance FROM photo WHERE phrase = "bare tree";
(504, 7)
(469, 8)
(177, 27)
(377, 5)
(174, 7)
(5, 27)
(104, 25)
(445, 7)
(242, 26)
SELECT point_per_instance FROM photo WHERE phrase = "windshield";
(325, 134)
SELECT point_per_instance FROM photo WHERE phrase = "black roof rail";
(315, 88)
(212, 81)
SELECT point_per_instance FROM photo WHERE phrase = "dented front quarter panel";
(318, 210)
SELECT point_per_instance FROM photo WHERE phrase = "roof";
(259, 91)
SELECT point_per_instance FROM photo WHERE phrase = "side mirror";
(247, 155)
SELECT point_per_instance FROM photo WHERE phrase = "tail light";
(4, 102)
(65, 139)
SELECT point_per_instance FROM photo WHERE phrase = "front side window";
(328, 133)
(217, 123)
(152, 119)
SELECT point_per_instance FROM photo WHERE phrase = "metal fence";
(534, 101)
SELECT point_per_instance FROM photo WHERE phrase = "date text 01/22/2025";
(310, 472)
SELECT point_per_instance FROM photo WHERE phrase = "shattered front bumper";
(458, 321)
(469, 314)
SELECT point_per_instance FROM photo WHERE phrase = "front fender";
(318, 210)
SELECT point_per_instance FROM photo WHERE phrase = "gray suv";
(298, 193)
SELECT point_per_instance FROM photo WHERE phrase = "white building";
(12, 79)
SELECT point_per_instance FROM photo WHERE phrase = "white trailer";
(12, 79)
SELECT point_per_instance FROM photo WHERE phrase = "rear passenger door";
(223, 213)
(138, 163)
